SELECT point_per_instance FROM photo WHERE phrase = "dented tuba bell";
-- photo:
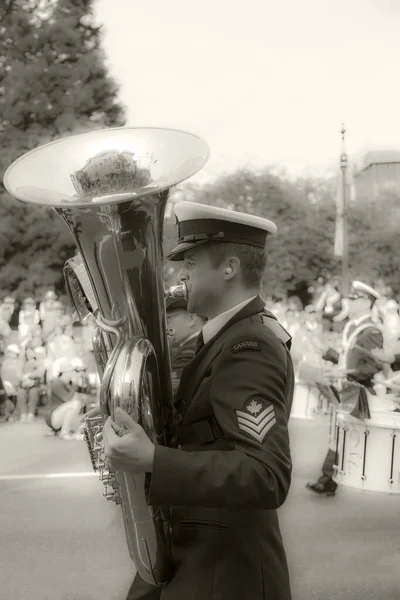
(111, 188)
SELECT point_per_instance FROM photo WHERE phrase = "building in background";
(379, 171)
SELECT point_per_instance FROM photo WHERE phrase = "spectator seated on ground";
(65, 420)
(69, 398)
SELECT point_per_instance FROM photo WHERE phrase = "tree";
(53, 82)
(302, 250)
(373, 240)
(305, 212)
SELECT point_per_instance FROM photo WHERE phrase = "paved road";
(60, 540)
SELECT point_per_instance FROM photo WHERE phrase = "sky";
(264, 82)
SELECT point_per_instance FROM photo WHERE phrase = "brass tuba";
(111, 189)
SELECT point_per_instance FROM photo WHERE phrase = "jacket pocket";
(200, 524)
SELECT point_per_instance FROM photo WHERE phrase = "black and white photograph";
(199, 300)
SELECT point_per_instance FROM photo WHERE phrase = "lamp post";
(341, 234)
(345, 254)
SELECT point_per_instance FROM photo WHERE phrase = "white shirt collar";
(211, 328)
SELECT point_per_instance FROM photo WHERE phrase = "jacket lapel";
(194, 372)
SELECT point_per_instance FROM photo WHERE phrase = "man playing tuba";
(232, 468)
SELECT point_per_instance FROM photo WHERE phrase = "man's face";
(205, 284)
(358, 306)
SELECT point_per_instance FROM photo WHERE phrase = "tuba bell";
(111, 188)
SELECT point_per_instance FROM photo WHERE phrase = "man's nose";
(182, 275)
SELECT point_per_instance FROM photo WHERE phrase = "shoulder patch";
(256, 418)
(246, 345)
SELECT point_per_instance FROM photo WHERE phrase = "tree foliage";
(305, 213)
(53, 82)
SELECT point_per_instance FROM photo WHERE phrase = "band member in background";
(232, 468)
(184, 331)
(356, 363)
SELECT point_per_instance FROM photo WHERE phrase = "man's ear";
(231, 267)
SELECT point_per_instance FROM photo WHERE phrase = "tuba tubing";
(111, 188)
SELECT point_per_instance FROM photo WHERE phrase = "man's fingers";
(93, 412)
(118, 430)
(122, 418)
(108, 432)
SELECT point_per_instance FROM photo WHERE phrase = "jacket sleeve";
(365, 366)
(250, 392)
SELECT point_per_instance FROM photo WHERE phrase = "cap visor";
(178, 253)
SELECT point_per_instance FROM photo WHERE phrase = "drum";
(368, 452)
(306, 402)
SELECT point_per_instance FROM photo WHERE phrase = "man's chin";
(190, 305)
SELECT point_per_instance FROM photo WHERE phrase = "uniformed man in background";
(232, 468)
(183, 333)
(356, 366)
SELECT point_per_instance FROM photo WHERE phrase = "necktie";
(199, 343)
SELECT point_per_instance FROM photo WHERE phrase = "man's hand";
(336, 373)
(126, 444)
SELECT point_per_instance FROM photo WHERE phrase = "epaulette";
(277, 329)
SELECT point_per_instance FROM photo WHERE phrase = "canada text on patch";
(247, 345)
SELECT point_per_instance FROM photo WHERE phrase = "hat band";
(207, 230)
(220, 237)
(357, 295)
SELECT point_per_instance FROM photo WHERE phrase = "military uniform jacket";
(361, 338)
(233, 468)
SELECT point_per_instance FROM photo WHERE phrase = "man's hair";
(252, 260)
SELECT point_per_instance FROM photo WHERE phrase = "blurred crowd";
(317, 326)
(39, 348)
(47, 364)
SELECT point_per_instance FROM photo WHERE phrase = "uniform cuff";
(166, 460)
